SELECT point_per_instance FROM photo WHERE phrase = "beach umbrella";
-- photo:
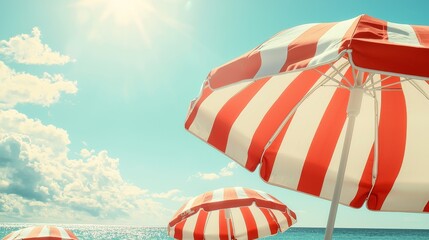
(336, 110)
(41, 233)
(231, 213)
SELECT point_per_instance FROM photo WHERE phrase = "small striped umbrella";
(231, 213)
(337, 110)
(41, 233)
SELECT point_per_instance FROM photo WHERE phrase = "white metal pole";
(353, 109)
(340, 178)
(228, 216)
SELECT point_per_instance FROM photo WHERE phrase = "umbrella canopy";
(237, 213)
(41, 233)
(317, 101)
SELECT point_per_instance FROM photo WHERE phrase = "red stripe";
(55, 232)
(191, 117)
(426, 209)
(272, 223)
(370, 28)
(252, 194)
(244, 67)
(178, 230)
(200, 225)
(229, 113)
(324, 142)
(249, 219)
(422, 33)
(392, 140)
(270, 154)
(365, 182)
(372, 50)
(70, 233)
(288, 218)
(229, 194)
(207, 197)
(290, 97)
(223, 228)
(303, 48)
(292, 213)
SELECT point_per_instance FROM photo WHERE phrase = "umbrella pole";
(228, 216)
(353, 108)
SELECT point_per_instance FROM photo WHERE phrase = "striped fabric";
(252, 214)
(292, 125)
(42, 233)
(374, 45)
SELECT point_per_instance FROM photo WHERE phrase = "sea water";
(109, 232)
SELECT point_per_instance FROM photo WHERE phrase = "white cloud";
(26, 88)
(38, 181)
(224, 172)
(85, 153)
(166, 195)
(29, 49)
(227, 171)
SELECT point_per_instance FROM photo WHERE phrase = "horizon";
(94, 99)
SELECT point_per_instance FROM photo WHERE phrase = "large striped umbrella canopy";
(41, 233)
(231, 213)
(317, 101)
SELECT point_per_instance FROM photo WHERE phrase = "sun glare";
(124, 12)
(130, 15)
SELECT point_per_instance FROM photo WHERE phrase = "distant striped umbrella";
(42, 233)
(292, 105)
(231, 213)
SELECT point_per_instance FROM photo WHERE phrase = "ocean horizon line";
(160, 226)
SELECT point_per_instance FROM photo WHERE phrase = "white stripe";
(281, 220)
(410, 191)
(218, 195)
(211, 231)
(45, 231)
(203, 122)
(330, 43)
(63, 233)
(274, 51)
(239, 225)
(25, 232)
(14, 235)
(297, 140)
(171, 231)
(247, 122)
(266, 196)
(241, 194)
(402, 34)
(261, 221)
(189, 204)
(188, 228)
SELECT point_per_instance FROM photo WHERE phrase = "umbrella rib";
(386, 87)
(375, 163)
(277, 132)
(376, 82)
(414, 84)
(332, 77)
(342, 75)
(322, 83)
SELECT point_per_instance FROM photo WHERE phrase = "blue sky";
(94, 94)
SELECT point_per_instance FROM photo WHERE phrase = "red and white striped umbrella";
(42, 233)
(242, 212)
(317, 101)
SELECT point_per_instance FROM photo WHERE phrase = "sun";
(125, 12)
(140, 15)
(145, 17)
